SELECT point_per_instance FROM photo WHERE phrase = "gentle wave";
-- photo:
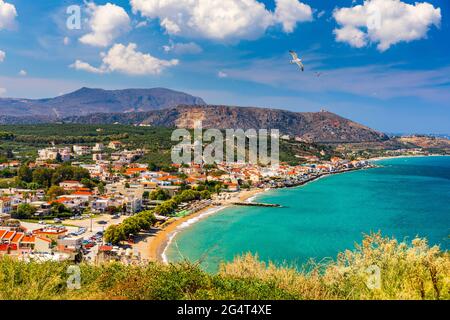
(187, 224)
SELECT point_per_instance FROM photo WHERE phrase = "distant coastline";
(407, 156)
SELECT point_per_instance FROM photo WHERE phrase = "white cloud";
(290, 12)
(142, 24)
(222, 74)
(80, 65)
(220, 20)
(183, 48)
(125, 59)
(8, 15)
(107, 22)
(66, 41)
(353, 36)
(2, 56)
(23, 73)
(385, 22)
(2, 92)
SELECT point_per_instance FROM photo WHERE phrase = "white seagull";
(296, 60)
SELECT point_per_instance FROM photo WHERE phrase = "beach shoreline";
(407, 156)
(162, 239)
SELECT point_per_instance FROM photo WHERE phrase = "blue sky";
(393, 75)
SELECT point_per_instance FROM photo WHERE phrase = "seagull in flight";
(296, 60)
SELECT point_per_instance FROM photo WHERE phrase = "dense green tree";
(166, 208)
(67, 172)
(101, 187)
(159, 194)
(6, 173)
(57, 208)
(6, 135)
(152, 167)
(24, 173)
(114, 234)
(205, 194)
(88, 183)
(218, 188)
(24, 211)
(43, 177)
(55, 191)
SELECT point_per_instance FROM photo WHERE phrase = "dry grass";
(408, 271)
(415, 271)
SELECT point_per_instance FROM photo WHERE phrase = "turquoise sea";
(403, 198)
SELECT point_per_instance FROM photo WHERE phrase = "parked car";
(89, 245)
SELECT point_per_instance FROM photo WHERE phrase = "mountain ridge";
(168, 108)
(324, 126)
(94, 100)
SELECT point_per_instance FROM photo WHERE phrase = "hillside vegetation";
(23, 141)
(408, 271)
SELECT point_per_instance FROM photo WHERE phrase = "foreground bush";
(414, 271)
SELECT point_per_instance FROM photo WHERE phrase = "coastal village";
(111, 207)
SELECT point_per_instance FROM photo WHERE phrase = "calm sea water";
(404, 198)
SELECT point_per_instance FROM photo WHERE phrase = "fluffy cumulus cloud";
(2, 56)
(222, 20)
(84, 66)
(107, 22)
(385, 22)
(289, 12)
(8, 15)
(126, 59)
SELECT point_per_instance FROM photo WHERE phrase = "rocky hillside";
(86, 101)
(426, 142)
(324, 127)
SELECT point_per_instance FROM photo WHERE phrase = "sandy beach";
(406, 156)
(161, 239)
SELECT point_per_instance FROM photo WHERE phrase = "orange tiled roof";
(82, 193)
(28, 239)
(17, 237)
(8, 235)
(61, 200)
(137, 169)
